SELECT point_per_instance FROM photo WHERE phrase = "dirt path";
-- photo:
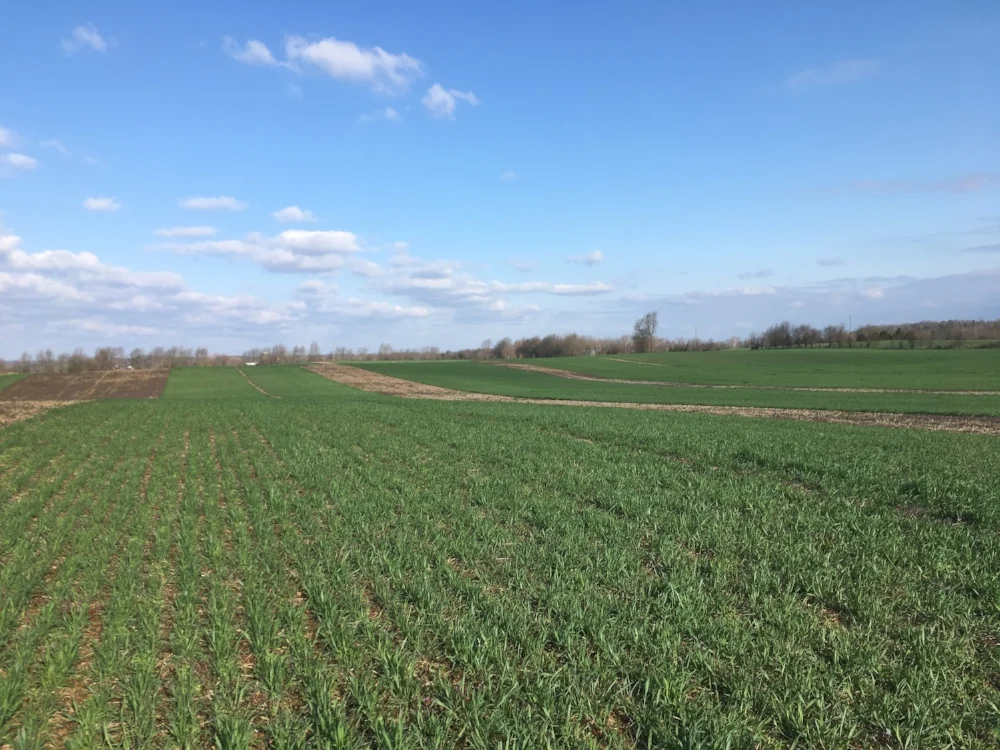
(247, 378)
(390, 386)
(594, 378)
(16, 411)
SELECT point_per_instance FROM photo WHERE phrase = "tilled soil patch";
(85, 386)
(378, 383)
(569, 375)
(16, 411)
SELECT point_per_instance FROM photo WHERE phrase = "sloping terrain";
(86, 386)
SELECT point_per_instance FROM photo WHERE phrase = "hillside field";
(490, 377)
(261, 557)
(920, 369)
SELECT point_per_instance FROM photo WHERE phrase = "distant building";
(250, 364)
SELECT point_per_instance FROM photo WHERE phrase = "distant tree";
(504, 349)
(314, 351)
(644, 332)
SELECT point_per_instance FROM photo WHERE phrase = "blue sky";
(237, 174)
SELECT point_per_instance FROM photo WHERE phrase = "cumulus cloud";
(102, 204)
(294, 250)
(588, 259)
(293, 215)
(441, 102)
(7, 138)
(834, 74)
(21, 162)
(251, 53)
(873, 293)
(343, 60)
(185, 232)
(214, 203)
(106, 329)
(84, 37)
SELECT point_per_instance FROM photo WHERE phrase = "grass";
(831, 368)
(485, 377)
(7, 379)
(295, 382)
(208, 382)
(221, 568)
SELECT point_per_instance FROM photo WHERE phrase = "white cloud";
(294, 250)
(18, 161)
(252, 53)
(508, 175)
(35, 286)
(214, 203)
(441, 101)
(317, 287)
(84, 36)
(330, 241)
(384, 113)
(102, 204)
(104, 328)
(92, 161)
(57, 145)
(400, 247)
(835, 74)
(343, 60)
(588, 259)
(874, 293)
(185, 232)
(293, 215)
(7, 138)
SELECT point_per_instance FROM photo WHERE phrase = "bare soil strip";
(87, 385)
(378, 383)
(247, 378)
(16, 411)
(581, 376)
(637, 362)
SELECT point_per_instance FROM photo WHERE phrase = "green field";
(7, 379)
(486, 377)
(335, 569)
(825, 368)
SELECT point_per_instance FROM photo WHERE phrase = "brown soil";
(15, 411)
(582, 376)
(390, 386)
(87, 385)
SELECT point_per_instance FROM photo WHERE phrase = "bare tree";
(644, 332)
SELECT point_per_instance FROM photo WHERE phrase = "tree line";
(948, 334)
(783, 335)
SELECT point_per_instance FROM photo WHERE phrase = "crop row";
(372, 572)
